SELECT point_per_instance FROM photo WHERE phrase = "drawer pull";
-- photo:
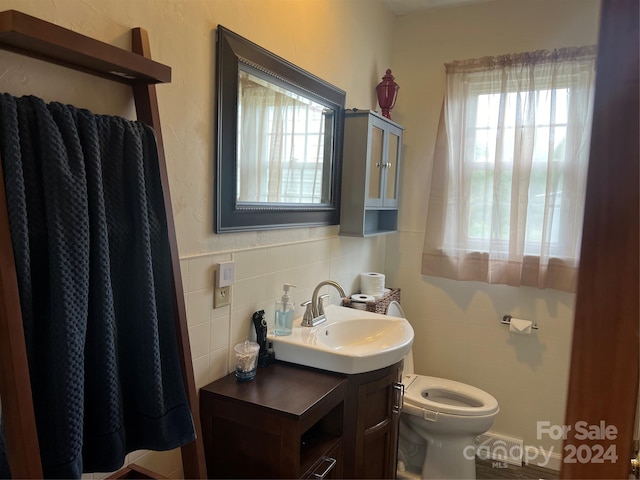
(331, 462)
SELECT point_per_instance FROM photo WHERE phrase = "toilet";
(440, 420)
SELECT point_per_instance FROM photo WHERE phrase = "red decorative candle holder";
(387, 91)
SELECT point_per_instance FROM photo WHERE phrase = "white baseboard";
(495, 446)
(511, 450)
(543, 458)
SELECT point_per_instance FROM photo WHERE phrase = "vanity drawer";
(328, 466)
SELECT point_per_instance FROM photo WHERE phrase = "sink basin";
(350, 341)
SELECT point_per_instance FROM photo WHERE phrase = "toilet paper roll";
(520, 326)
(385, 292)
(372, 283)
(360, 298)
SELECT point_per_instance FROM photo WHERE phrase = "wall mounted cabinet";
(370, 174)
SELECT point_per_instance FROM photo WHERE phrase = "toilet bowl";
(440, 420)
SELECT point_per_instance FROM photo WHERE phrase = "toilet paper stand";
(506, 320)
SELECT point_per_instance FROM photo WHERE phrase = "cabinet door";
(378, 417)
(392, 166)
(384, 164)
(377, 156)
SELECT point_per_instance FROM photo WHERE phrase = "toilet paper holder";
(506, 320)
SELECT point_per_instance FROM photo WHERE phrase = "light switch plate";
(224, 277)
(225, 274)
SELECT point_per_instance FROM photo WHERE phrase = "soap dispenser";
(284, 312)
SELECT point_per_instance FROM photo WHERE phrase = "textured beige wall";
(344, 42)
(458, 334)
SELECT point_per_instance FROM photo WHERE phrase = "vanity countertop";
(287, 389)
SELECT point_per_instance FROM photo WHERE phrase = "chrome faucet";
(314, 314)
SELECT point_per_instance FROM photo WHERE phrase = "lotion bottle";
(284, 312)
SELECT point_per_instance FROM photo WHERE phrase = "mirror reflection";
(284, 144)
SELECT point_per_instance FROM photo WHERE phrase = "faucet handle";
(321, 303)
(307, 318)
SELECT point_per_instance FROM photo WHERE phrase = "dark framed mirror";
(279, 141)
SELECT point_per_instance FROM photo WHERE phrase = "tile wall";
(259, 276)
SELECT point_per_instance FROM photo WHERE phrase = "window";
(296, 136)
(281, 145)
(550, 131)
(509, 176)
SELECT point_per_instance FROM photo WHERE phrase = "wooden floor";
(488, 469)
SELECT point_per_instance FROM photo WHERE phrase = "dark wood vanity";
(299, 422)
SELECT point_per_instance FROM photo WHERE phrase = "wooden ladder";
(36, 38)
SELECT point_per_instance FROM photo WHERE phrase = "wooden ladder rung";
(30, 36)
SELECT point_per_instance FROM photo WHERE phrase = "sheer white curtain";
(280, 146)
(252, 122)
(508, 185)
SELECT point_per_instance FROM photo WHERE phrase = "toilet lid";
(441, 395)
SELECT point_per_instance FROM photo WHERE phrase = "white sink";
(350, 341)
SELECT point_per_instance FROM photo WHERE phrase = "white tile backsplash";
(200, 273)
(248, 292)
(219, 364)
(260, 274)
(199, 306)
(259, 262)
(219, 332)
(201, 371)
(199, 338)
(184, 271)
(241, 327)
(243, 265)
(277, 258)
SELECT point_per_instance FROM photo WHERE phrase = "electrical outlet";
(221, 296)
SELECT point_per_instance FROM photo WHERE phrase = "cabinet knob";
(378, 165)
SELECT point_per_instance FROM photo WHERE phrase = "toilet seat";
(428, 396)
